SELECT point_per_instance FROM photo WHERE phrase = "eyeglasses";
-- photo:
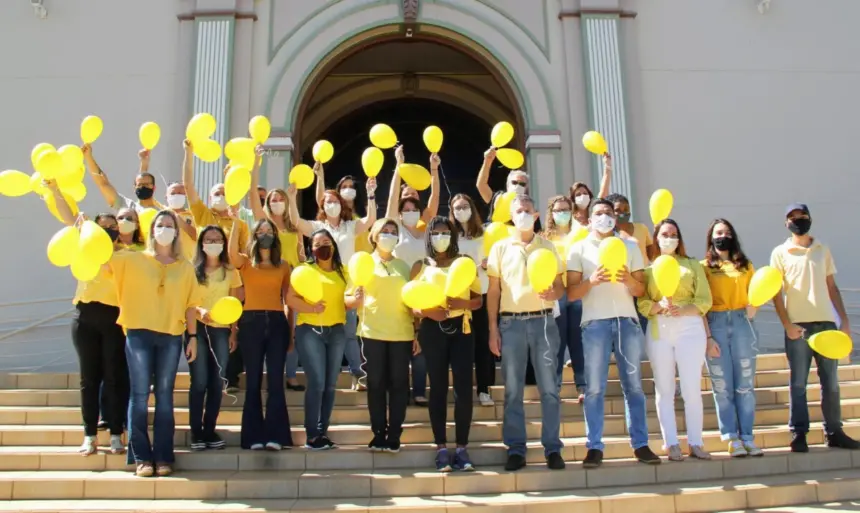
(515, 182)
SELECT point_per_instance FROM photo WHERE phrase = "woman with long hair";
(581, 196)
(731, 355)
(446, 339)
(264, 336)
(321, 337)
(217, 279)
(347, 187)
(128, 224)
(676, 337)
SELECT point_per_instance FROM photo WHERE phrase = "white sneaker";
(752, 449)
(737, 449)
(88, 447)
(357, 384)
(257, 447)
(485, 399)
(116, 445)
(274, 446)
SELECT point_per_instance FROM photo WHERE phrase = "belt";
(526, 315)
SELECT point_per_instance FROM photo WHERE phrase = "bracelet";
(371, 198)
(191, 335)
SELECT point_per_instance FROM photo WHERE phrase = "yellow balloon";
(150, 134)
(461, 274)
(577, 235)
(72, 157)
(667, 274)
(764, 285)
(383, 136)
(259, 128)
(308, 283)
(594, 142)
(415, 176)
(91, 129)
(237, 183)
(493, 233)
(49, 164)
(433, 138)
(226, 310)
(70, 178)
(51, 203)
(361, 267)
(302, 175)
(501, 134)
(207, 150)
(63, 246)
(84, 269)
(241, 149)
(542, 268)
(322, 151)
(371, 161)
(435, 276)
(146, 217)
(77, 191)
(36, 184)
(95, 244)
(510, 158)
(422, 295)
(613, 255)
(14, 183)
(38, 149)
(502, 210)
(200, 127)
(660, 205)
(832, 344)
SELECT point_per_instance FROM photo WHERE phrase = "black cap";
(796, 206)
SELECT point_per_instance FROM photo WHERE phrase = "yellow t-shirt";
(362, 243)
(102, 288)
(188, 245)
(693, 289)
(507, 262)
(384, 316)
(559, 240)
(204, 216)
(729, 286)
(643, 239)
(218, 285)
(475, 286)
(151, 295)
(804, 280)
(333, 291)
(289, 247)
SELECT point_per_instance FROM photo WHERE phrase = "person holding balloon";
(517, 182)
(677, 296)
(217, 279)
(627, 228)
(411, 247)
(320, 332)
(581, 195)
(804, 308)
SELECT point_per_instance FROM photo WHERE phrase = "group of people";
(151, 302)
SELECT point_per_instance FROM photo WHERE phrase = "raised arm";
(394, 192)
(320, 187)
(256, 207)
(144, 161)
(367, 221)
(483, 182)
(433, 203)
(107, 190)
(63, 208)
(607, 176)
(237, 259)
(188, 173)
(303, 226)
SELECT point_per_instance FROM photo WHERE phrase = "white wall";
(112, 58)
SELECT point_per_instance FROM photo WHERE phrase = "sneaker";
(213, 441)
(737, 449)
(554, 461)
(752, 449)
(144, 469)
(116, 445)
(197, 443)
(377, 444)
(393, 445)
(699, 452)
(328, 442)
(674, 453)
(646, 455)
(580, 395)
(462, 462)
(163, 469)
(443, 461)
(232, 388)
(420, 400)
(357, 384)
(274, 446)
(593, 459)
(839, 440)
(298, 387)
(485, 399)
(798, 442)
(257, 447)
(102, 425)
(515, 462)
(88, 447)
(317, 444)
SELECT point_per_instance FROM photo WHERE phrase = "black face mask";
(323, 253)
(623, 218)
(143, 193)
(113, 233)
(266, 240)
(724, 243)
(800, 226)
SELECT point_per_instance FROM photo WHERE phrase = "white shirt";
(475, 249)
(409, 248)
(607, 300)
(343, 234)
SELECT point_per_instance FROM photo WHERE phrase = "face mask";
(213, 250)
(164, 235)
(800, 226)
(126, 226)
(519, 189)
(219, 203)
(667, 244)
(278, 207)
(603, 223)
(323, 253)
(266, 240)
(464, 215)
(623, 218)
(386, 242)
(561, 218)
(410, 218)
(331, 209)
(262, 202)
(347, 193)
(724, 243)
(113, 233)
(582, 200)
(524, 221)
(143, 193)
(176, 201)
(440, 242)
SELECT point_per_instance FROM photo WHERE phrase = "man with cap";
(804, 308)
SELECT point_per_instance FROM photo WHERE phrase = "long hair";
(681, 250)
(175, 246)
(736, 255)
(404, 201)
(551, 228)
(105, 215)
(574, 187)
(453, 249)
(336, 262)
(358, 203)
(376, 229)
(200, 257)
(254, 249)
(267, 208)
(474, 227)
(345, 211)
(137, 234)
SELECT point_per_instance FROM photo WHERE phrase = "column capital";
(238, 9)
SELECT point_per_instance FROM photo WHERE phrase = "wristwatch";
(191, 335)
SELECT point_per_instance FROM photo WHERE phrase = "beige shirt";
(507, 262)
(804, 280)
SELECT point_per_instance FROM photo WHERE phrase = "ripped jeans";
(733, 373)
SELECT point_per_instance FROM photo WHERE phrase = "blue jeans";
(208, 378)
(539, 338)
(321, 350)
(599, 339)
(147, 353)
(571, 339)
(800, 357)
(352, 351)
(292, 364)
(733, 373)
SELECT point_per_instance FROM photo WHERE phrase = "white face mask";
(582, 200)
(668, 245)
(164, 235)
(347, 193)
(464, 215)
(603, 223)
(386, 242)
(440, 242)
(410, 219)
(213, 250)
(126, 226)
(519, 189)
(176, 201)
(331, 209)
(524, 221)
(278, 207)
(218, 203)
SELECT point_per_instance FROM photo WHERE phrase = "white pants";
(682, 341)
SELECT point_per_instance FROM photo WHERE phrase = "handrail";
(36, 324)
(35, 302)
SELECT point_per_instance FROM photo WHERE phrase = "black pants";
(387, 385)
(235, 367)
(485, 361)
(100, 344)
(445, 345)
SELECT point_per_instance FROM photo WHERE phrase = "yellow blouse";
(362, 243)
(693, 289)
(384, 316)
(289, 247)
(333, 294)
(439, 275)
(102, 288)
(729, 286)
(218, 285)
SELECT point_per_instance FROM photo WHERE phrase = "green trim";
(542, 46)
(628, 134)
(231, 46)
(193, 81)
(589, 93)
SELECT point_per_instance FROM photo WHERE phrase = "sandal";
(88, 447)
(163, 469)
(144, 469)
(116, 445)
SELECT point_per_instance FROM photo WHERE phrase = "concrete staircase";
(40, 469)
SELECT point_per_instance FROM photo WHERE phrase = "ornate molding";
(409, 84)
(596, 12)
(410, 11)
(229, 13)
